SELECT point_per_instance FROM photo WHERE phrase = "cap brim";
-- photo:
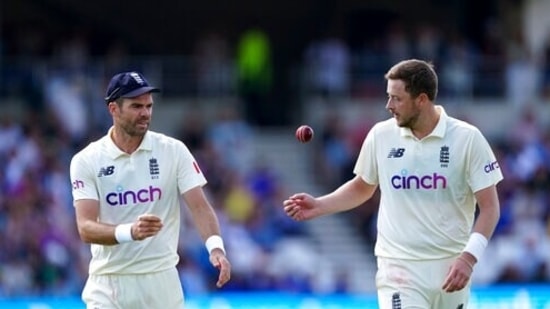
(139, 91)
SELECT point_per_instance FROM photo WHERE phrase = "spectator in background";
(335, 153)
(528, 129)
(25, 158)
(368, 63)
(268, 225)
(192, 130)
(489, 79)
(531, 155)
(398, 43)
(239, 203)
(21, 78)
(523, 73)
(213, 66)
(255, 75)
(65, 99)
(428, 43)
(458, 67)
(329, 67)
(232, 136)
(11, 133)
(66, 87)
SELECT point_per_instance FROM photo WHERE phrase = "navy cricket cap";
(127, 85)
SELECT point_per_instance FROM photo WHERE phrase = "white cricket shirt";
(427, 186)
(150, 180)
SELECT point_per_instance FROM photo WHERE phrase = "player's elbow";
(84, 233)
(84, 237)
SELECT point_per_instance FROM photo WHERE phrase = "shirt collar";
(114, 152)
(438, 131)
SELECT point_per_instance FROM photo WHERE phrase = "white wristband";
(213, 242)
(476, 245)
(123, 233)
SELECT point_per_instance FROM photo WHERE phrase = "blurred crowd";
(61, 94)
(496, 65)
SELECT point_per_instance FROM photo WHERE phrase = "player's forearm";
(485, 225)
(202, 212)
(489, 212)
(94, 232)
(206, 221)
(208, 227)
(349, 195)
(487, 220)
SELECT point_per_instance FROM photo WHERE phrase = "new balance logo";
(106, 171)
(396, 152)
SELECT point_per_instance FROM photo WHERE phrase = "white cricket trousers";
(159, 290)
(409, 284)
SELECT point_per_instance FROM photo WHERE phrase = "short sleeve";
(83, 178)
(189, 173)
(483, 167)
(366, 166)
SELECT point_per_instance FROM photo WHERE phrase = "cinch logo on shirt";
(396, 152)
(491, 167)
(122, 198)
(432, 181)
(77, 184)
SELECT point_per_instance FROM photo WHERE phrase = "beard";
(135, 129)
(410, 121)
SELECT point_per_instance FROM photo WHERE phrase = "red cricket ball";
(304, 133)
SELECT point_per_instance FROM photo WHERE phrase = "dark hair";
(419, 77)
(117, 101)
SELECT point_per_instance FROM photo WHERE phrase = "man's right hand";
(300, 206)
(146, 225)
